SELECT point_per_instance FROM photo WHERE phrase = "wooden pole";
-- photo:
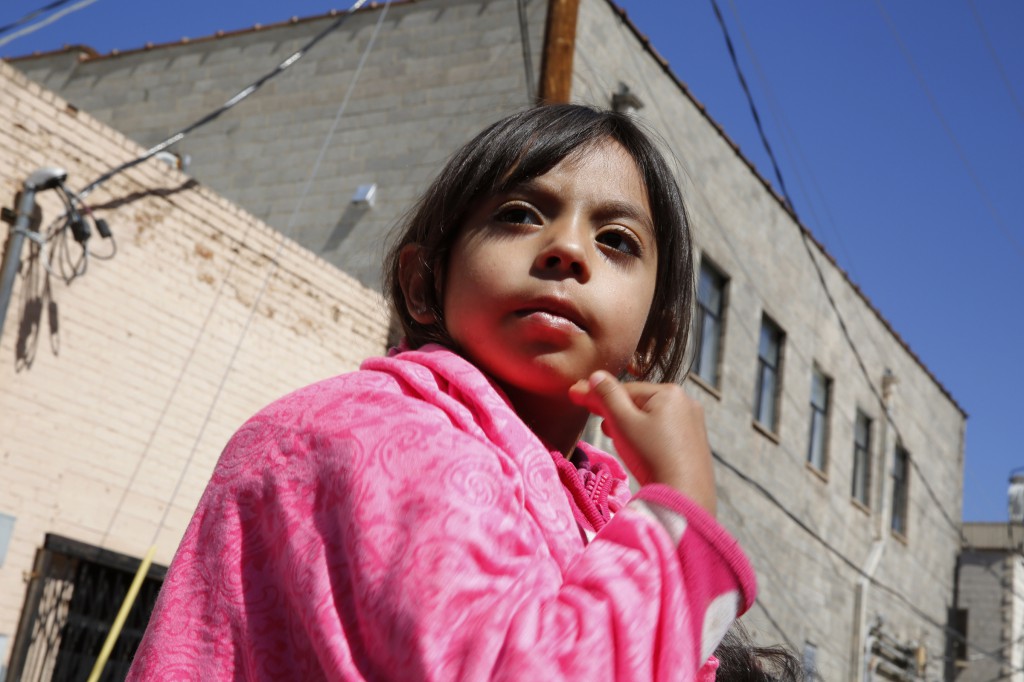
(122, 615)
(559, 46)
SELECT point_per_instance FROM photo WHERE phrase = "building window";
(821, 399)
(708, 328)
(769, 377)
(900, 490)
(861, 458)
(74, 593)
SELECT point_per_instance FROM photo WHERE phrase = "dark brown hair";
(526, 145)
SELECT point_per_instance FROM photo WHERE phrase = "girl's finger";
(616, 400)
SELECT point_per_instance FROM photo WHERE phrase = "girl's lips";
(551, 320)
(553, 312)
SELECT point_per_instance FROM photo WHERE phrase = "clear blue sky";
(899, 128)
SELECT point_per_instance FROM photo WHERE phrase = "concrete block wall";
(204, 315)
(742, 228)
(991, 589)
(983, 583)
(438, 72)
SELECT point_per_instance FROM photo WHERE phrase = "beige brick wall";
(156, 360)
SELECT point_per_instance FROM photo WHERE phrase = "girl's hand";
(658, 431)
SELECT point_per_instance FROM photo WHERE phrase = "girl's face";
(554, 279)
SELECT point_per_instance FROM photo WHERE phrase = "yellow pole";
(122, 615)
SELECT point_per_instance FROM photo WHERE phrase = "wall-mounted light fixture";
(366, 195)
(624, 100)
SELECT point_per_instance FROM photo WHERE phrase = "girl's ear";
(641, 361)
(412, 276)
(635, 366)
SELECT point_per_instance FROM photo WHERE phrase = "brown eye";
(620, 241)
(517, 215)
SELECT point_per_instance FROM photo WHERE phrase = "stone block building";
(839, 454)
(990, 599)
(119, 389)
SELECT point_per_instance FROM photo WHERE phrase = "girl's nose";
(565, 252)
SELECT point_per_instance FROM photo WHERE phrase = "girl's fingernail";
(597, 377)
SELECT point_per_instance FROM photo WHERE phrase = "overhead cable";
(273, 267)
(931, 493)
(524, 36)
(805, 238)
(753, 107)
(996, 60)
(32, 15)
(768, 495)
(82, 4)
(238, 97)
(209, 315)
(997, 217)
(795, 153)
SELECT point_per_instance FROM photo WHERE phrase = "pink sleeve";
(405, 549)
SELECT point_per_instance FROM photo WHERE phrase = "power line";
(768, 495)
(273, 267)
(930, 490)
(996, 60)
(238, 97)
(740, 260)
(786, 133)
(753, 107)
(821, 277)
(32, 15)
(210, 312)
(82, 4)
(524, 36)
(997, 217)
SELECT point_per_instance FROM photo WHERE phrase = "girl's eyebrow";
(614, 208)
(609, 209)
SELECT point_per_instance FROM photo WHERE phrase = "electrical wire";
(920, 474)
(753, 108)
(768, 495)
(524, 36)
(230, 103)
(740, 260)
(204, 325)
(798, 158)
(805, 239)
(32, 15)
(82, 4)
(273, 267)
(997, 217)
(918, 612)
(996, 60)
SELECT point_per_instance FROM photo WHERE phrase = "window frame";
(824, 423)
(862, 457)
(775, 371)
(703, 312)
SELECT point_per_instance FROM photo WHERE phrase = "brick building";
(840, 470)
(118, 391)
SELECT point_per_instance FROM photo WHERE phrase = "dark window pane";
(708, 323)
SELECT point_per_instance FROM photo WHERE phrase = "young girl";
(435, 516)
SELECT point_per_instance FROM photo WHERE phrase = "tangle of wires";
(59, 255)
(61, 250)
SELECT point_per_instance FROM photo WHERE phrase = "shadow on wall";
(353, 213)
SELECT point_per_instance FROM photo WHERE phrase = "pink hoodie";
(402, 523)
